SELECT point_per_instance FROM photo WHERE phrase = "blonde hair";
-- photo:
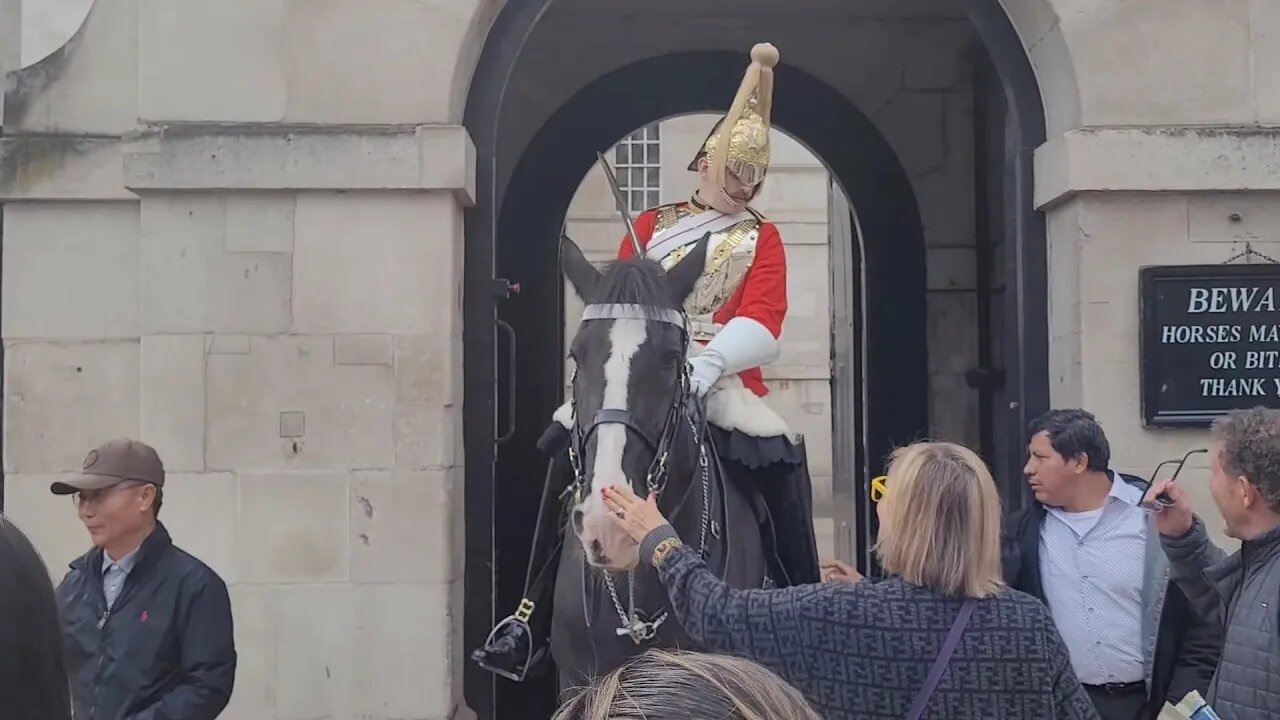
(678, 685)
(940, 521)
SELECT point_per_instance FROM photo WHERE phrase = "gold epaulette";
(667, 215)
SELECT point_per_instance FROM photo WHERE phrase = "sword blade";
(621, 202)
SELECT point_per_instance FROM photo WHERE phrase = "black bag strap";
(944, 657)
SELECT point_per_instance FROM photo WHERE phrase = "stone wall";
(276, 308)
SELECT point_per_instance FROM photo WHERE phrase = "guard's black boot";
(517, 647)
(510, 650)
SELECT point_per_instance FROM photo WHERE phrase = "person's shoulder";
(1012, 603)
(192, 568)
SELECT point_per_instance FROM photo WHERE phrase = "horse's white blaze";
(625, 338)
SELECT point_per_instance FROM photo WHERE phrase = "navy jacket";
(164, 651)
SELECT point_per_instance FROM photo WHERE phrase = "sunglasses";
(878, 487)
(1162, 501)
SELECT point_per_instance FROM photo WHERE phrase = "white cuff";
(742, 344)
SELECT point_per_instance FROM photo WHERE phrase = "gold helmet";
(740, 140)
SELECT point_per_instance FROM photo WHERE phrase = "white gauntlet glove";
(741, 344)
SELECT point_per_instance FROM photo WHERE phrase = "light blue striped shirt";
(114, 573)
(1091, 567)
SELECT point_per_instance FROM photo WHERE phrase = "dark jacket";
(1240, 593)
(863, 650)
(1180, 648)
(163, 652)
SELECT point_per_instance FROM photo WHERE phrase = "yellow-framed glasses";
(878, 487)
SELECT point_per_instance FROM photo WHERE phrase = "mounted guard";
(734, 317)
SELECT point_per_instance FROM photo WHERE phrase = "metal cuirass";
(730, 254)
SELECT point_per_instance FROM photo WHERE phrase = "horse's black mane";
(637, 281)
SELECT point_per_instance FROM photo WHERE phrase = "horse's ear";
(682, 277)
(581, 273)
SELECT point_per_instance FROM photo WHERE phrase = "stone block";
(953, 332)
(274, 157)
(1194, 159)
(228, 344)
(61, 168)
(1113, 390)
(1056, 75)
(257, 623)
(207, 62)
(401, 527)
(802, 232)
(938, 45)
(806, 406)
(795, 193)
(806, 330)
(376, 263)
(200, 511)
(173, 419)
(1264, 29)
(363, 350)
(348, 408)
(1143, 78)
(953, 409)
(952, 268)
(63, 399)
(293, 528)
(912, 123)
(365, 651)
(946, 205)
(1065, 289)
(70, 270)
(89, 86)
(48, 520)
(1235, 217)
(190, 283)
(426, 436)
(260, 223)
(369, 62)
(1032, 19)
(1121, 234)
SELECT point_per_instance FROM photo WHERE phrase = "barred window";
(638, 161)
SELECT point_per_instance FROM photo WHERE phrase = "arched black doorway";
(511, 237)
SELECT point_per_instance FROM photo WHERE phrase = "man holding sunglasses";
(147, 628)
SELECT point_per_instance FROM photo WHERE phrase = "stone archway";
(1025, 346)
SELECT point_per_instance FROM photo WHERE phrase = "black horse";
(635, 420)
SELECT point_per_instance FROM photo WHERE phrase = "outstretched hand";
(635, 516)
(836, 571)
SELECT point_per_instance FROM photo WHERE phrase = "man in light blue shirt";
(1089, 552)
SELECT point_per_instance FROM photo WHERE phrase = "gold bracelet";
(663, 549)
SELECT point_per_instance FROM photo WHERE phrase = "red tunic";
(762, 295)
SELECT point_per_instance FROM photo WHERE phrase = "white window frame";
(637, 160)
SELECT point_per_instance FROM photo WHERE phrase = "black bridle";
(656, 476)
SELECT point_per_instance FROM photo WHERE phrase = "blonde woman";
(670, 685)
(941, 637)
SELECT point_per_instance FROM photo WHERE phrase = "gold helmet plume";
(740, 141)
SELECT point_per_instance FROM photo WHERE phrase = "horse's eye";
(672, 360)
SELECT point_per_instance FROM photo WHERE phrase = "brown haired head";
(940, 521)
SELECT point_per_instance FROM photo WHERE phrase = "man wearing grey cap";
(147, 627)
